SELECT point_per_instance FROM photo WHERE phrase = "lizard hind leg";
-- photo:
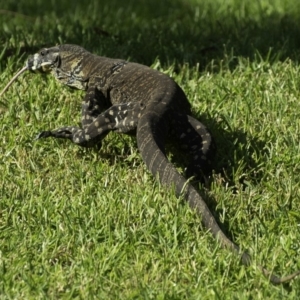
(195, 140)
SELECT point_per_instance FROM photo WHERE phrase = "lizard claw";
(43, 134)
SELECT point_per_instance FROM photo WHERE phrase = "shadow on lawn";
(167, 32)
(172, 30)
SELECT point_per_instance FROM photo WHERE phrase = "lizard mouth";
(35, 63)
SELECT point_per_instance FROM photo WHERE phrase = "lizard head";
(44, 60)
(64, 62)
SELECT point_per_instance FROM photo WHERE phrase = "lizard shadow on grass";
(236, 150)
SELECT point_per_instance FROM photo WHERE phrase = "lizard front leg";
(120, 117)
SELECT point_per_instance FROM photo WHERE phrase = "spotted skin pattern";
(131, 98)
(121, 118)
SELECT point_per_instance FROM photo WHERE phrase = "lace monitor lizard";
(131, 98)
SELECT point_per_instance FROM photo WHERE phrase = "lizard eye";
(43, 52)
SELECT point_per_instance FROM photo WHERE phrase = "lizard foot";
(43, 134)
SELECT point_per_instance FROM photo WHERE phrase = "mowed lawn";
(93, 223)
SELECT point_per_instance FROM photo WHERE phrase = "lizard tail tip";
(280, 280)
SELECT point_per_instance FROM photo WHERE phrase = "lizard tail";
(151, 132)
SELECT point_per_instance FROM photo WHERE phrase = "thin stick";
(12, 80)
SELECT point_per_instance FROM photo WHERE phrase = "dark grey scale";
(194, 138)
(118, 66)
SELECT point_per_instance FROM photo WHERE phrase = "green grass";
(88, 224)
